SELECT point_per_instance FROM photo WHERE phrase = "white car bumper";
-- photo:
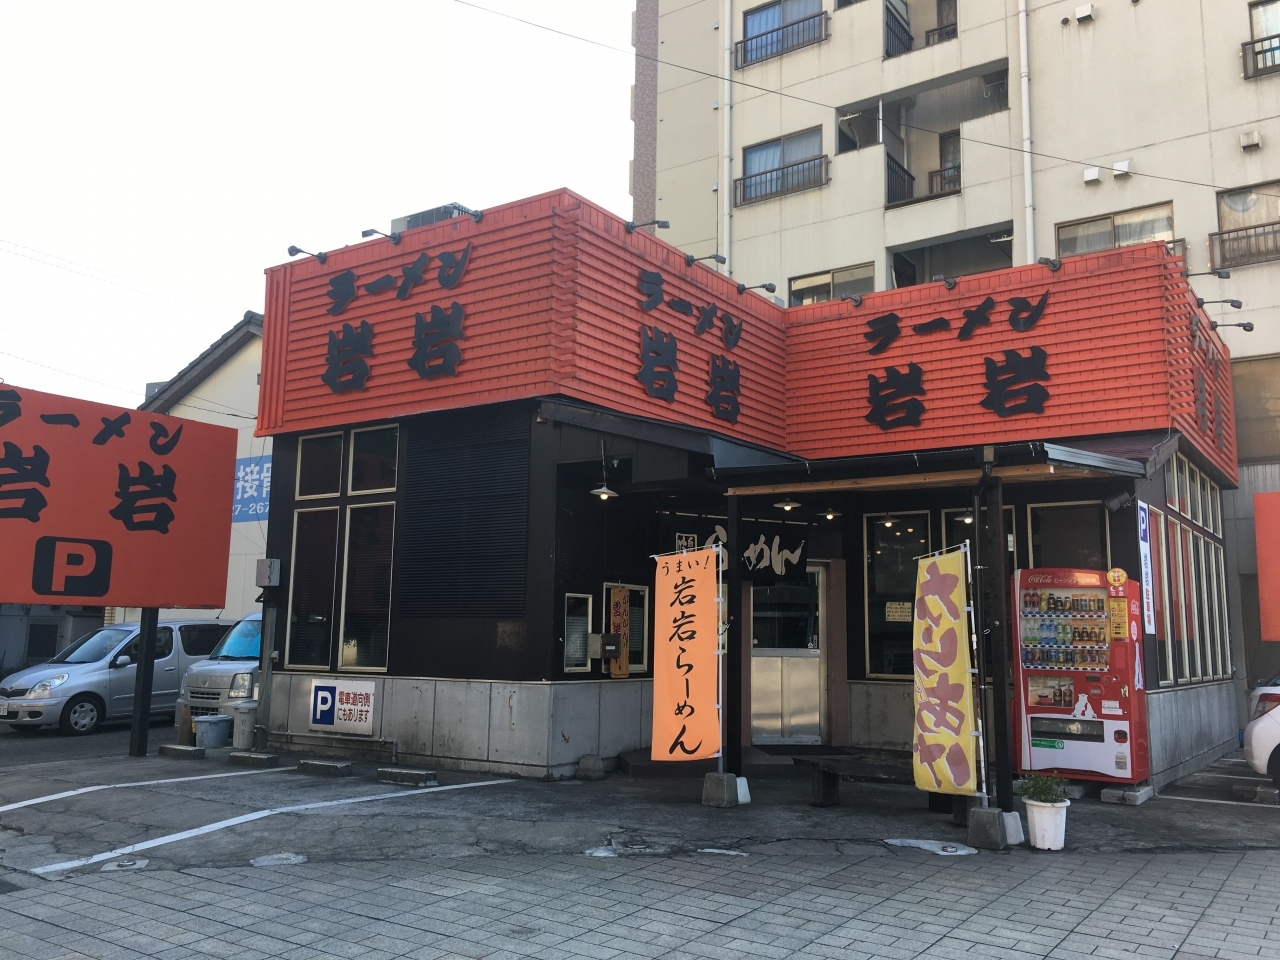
(1261, 738)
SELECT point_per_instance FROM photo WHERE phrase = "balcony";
(897, 35)
(1261, 56)
(784, 39)
(946, 180)
(792, 178)
(947, 31)
(1239, 248)
(900, 185)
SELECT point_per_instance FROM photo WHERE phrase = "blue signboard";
(253, 489)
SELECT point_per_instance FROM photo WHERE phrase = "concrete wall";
(73, 623)
(880, 714)
(525, 729)
(1190, 727)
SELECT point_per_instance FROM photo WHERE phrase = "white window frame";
(346, 567)
(643, 666)
(866, 585)
(564, 651)
(297, 473)
(351, 461)
(293, 554)
(1057, 243)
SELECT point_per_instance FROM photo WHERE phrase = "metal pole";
(262, 729)
(996, 551)
(1028, 188)
(732, 746)
(722, 638)
(143, 677)
(977, 580)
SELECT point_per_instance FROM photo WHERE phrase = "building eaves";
(203, 366)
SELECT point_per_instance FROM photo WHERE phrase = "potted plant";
(1046, 799)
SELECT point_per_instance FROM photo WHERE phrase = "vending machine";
(1079, 703)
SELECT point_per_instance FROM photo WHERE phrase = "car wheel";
(81, 715)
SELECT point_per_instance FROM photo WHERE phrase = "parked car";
(1264, 697)
(228, 677)
(1262, 736)
(92, 680)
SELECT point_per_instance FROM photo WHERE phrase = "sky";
(155, 158)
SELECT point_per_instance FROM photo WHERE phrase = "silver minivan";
(228, 677)
(92, 680)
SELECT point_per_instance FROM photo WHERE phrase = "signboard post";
(108, 506)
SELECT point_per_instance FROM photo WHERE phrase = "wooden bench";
(825, 774)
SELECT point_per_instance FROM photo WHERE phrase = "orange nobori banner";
(109, 506)
(944, 746)
(686, 667)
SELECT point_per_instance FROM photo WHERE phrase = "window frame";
(336, 509)
(351, 461)
(1165, 661)
(346, 568)
(564, 652)
(831, 281)
(866, 585)
(297, 478)
(1256, 4)
(643, 666)
(1057, 227)
(781, 142)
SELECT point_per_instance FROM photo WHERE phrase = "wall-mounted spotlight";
(392, 236)
(766, 287)
(1220, 274)
(788, 504)
(320, 257)
(660, 224)
(853, 298)
(949, 282)
(1234, 304)
(1247, 326)
(1053, 263)
(690, 259)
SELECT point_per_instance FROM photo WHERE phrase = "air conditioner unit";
(1084, 12)
(434, 215)
(1092, 175)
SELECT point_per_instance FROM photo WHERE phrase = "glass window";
(1160, 598)
(778, 153)
(164, 645)
(637, 622)
(784, 616)
(373, 459)
(1116, 230)
(846, 282)
(1171, 484)
(1264, 19)
(893, 542)
(1191, 563)
(1177, 600)
(94, 646)
(313, 587)
(1072, 535)
(320, 466)
(199, 641)
(366, 599)
(1220, 590)
(577, 624)
(1193, 477)
(1250, 207)
(1215, 495)
(957, 528)
(1184, 488)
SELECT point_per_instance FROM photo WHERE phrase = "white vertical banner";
(1144, 550)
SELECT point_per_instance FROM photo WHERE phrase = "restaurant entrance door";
(788, 637)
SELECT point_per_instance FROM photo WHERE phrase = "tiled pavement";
(869, 902)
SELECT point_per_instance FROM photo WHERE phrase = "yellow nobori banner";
(943, 746)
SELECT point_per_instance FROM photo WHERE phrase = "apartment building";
(837, 147)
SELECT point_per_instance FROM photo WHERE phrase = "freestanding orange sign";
(686, 668)
(111, 507)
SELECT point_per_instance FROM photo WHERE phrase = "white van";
(228, 677)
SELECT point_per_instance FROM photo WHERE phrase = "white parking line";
(140, 783)
(1229, 803)
(245, 818)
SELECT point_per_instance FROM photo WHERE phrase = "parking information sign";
(253, 489)
(342, 706)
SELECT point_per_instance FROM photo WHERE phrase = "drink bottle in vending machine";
(1079, 700)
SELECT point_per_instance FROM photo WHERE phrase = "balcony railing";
(897, 35)
(938, 34)
(1239, 248)
(792, 178)
(1261, 56)
(899, 184)
(946, 180)
(784, 39)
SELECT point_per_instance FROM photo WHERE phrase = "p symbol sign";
(323, 703)
(75, 568)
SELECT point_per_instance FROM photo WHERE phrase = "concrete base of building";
(532, 729)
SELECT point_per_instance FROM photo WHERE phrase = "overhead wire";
(817, 103)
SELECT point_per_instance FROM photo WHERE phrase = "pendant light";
(788, 504)
(603, 491)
